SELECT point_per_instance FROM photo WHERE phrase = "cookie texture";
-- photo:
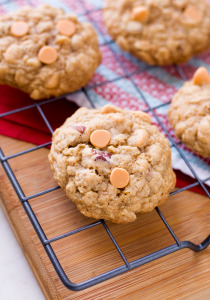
(39, 59)
(159, 32)
(189, 116)
(136, 149)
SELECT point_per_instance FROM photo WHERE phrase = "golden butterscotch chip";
(100, 138)
(139, 139)
(66, 27)
(19, 28)
(140, 13)
(47, 55)
(192, 13)
(142, 137)
(201, 76)
(119, 178)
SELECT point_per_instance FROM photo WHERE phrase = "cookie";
(45, 52)
(112, 163)
(189, 113)
(159, 32)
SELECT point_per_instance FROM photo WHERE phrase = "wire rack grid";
(25, 201)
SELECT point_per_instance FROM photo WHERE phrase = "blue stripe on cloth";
(151, 100)
(197, 163)
(10, 6)
(97, 99)
(127, 86)
(59, 4)
(198, 62)
(129, 57)
(107, 73)
(124, 86)
(165, 77)
(95, 3)
(163, 109)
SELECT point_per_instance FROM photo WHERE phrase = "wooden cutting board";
(181, 275)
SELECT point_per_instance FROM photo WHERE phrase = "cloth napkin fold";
(28, 125)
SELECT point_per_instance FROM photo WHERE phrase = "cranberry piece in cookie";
(81, 129)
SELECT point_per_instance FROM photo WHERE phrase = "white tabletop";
(17, 281)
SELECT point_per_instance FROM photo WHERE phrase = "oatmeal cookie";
(112, 163)
(45, 52)
(189, 113)
(159, 32)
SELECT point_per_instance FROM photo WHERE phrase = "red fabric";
(29, 126)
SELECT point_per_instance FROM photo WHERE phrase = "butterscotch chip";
(100, 138)
(139, 13)
(119, 178)
(47, 55)
(41, 61)
(159, 32)
(201, 76)
(19, 28)
(192, 13)
(189, 113)
(66, 27)
(122, 179)
(140, 138)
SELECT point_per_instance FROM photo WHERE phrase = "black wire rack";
(25, 200)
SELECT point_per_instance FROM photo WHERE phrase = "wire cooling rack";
(87, 13)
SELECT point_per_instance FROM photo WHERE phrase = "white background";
(17, 281)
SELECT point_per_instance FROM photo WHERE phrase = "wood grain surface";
(181, 275)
